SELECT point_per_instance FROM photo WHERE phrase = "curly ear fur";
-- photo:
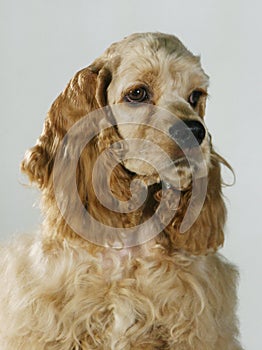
(206, 234)
(84, 93)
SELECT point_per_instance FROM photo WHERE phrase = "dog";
(126, 257)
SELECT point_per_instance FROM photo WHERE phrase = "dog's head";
(152, 89)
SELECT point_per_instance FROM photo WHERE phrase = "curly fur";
(59, 291)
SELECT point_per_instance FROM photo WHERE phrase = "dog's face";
(154, 91)
(153, 75)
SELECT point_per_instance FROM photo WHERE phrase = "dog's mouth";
(175, 175)
(174, 167)
(178, 174)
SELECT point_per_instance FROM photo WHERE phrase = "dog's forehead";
(149, 42)
(152, 50)
(158, 60)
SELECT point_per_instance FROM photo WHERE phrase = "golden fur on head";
(61, 291)
(171, 73)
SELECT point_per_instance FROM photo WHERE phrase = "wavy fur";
(59, 291)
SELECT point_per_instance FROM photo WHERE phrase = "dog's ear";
(84, 93)
(206, 234)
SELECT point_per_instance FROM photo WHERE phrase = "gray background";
(43, 43)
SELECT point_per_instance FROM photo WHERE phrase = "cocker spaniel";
(133, 214)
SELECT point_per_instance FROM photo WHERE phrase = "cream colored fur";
(68, 299)
(59, 291)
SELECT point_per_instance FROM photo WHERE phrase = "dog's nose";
(187, 133)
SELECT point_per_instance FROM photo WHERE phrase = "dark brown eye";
(137, 95)
(194, 98)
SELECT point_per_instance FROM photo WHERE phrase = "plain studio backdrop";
(44, 42)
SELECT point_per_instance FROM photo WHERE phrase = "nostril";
(187, 132)
(197, 129)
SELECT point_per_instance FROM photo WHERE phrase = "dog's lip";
(188, 153)
(169, 183)
(166, 185)
(169, 186)
(179, 162)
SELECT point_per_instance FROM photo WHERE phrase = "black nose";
(188, 133)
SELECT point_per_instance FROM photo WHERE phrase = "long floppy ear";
(84, 93)
(206, 234)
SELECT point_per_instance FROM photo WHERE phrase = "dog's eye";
(137, 95)
(194, 98)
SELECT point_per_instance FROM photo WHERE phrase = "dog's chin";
(176, 176)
